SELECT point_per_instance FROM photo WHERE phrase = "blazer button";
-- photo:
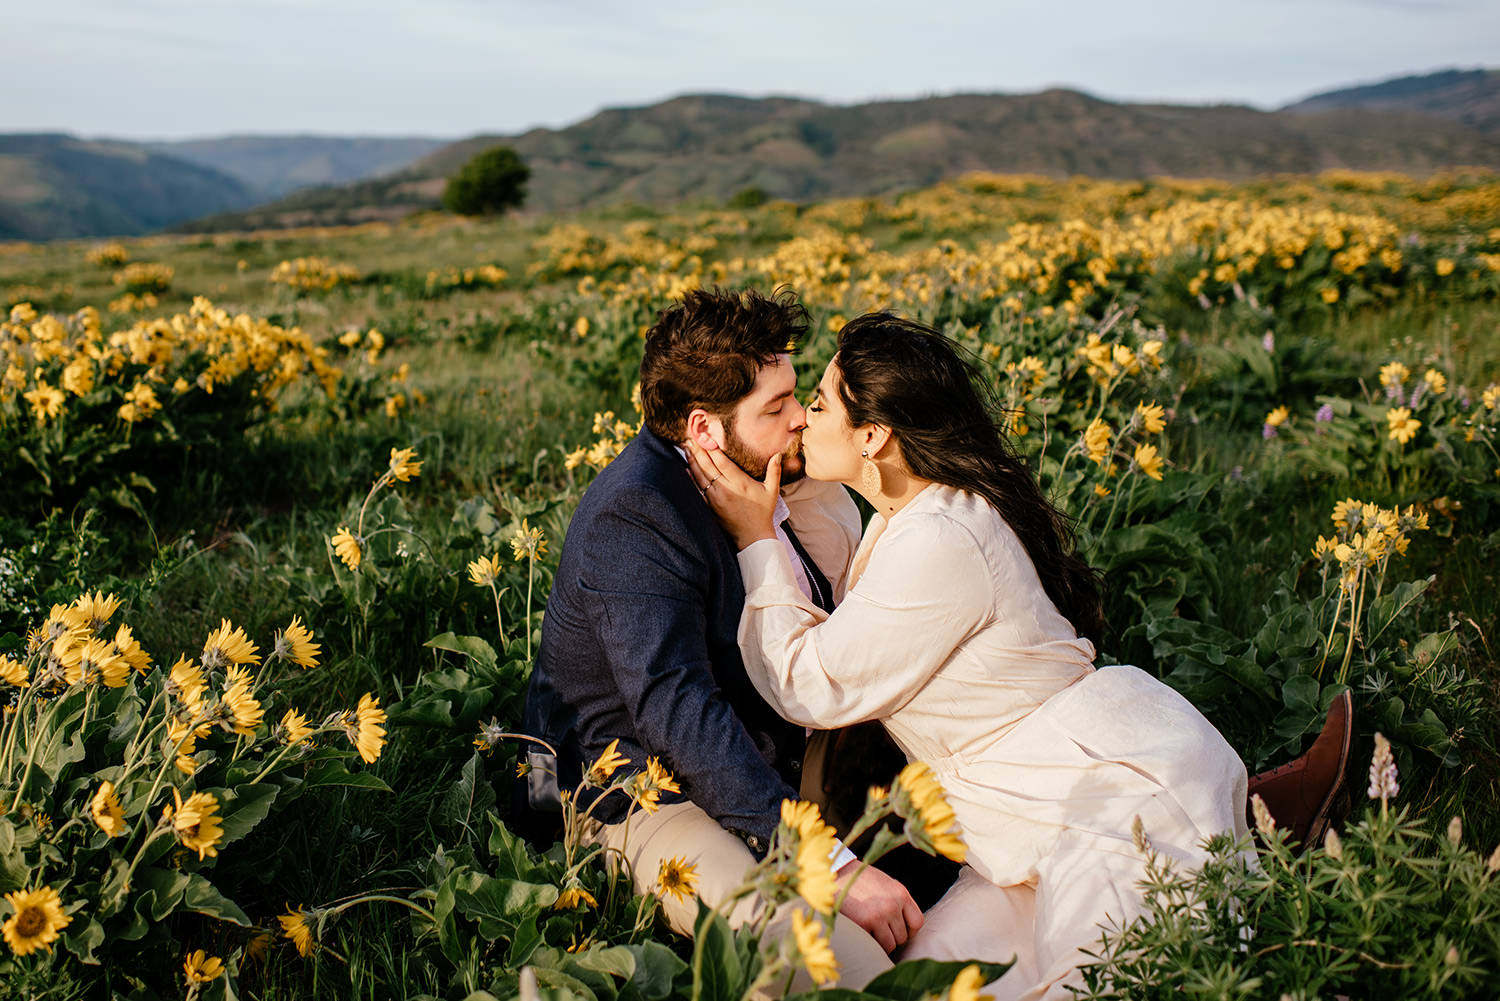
(795, 764)
(754, 842)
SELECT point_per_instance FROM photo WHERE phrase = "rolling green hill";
(273, 166)
(56, 186)
(707, 147)
(1468, 96)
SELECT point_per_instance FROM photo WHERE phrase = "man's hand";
(880, 905)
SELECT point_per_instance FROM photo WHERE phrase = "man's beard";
(792, 468)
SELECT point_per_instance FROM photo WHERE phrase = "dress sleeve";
(826, 521)
(926, 589)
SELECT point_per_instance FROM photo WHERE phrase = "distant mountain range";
(705, 148)
(54, 186)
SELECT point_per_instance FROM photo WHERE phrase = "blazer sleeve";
(926, 590)
(647, 594)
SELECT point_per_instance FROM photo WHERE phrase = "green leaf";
(14, 873)
(471, 647)
(512, 858)
(1300, 693)
(203, 897)
(244, 807)
(500, 905)
(920, 978)
(83, 937)
(523, 943)
(722, 973)
(657, 970)
(335, 772)
(469, 798)
(158, 892)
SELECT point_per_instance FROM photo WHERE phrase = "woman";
(963, 631)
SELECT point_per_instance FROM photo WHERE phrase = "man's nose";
(798, 415)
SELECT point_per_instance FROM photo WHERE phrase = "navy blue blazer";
(638, 643)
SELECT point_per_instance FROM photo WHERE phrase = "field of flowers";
(279, 513)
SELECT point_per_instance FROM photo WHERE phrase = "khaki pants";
(682, 830)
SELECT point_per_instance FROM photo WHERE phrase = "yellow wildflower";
(1491, 397)
(195, 823)
(228, 645)
(202, 968)
(405, 464)
(46, 401)
(1153, 418)
(604, 766)
(1096, 440)
(346, 547)
(802, 816)
(186, 682)
(1394, 375)
(574, 897)
(814, 949)
(646, 787)
(1148, 461)
(295, 644)
(1330, 294)
(95, 609)
(1277, 417)
(1444, 267)
(1402, 424)
(94, 660)
(130, 649)
(367, 733)
(816, 882)
(294, 727)
(966, 985)
(930, 821)
(485, 571)
(1436, 381)
(38, 917)
(13, 672)
(294, 926)
(528, 542)
(105, 809)
(677, 878)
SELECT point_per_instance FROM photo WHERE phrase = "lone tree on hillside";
(490, 182)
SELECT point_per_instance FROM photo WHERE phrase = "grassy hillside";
(273, 166)
(57, 186)
(705, 148)
(1468, 96)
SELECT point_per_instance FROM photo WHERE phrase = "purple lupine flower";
(1268, 431)
(1324, 414)
(1269, 341)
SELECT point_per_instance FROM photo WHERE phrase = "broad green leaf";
(83, 937)
(203, 897)
(657, 970)
(158, 891)
(722, 973)
(499, 905)
(523, 943)
(469, 798)
(243, 808)
(921, 978)
(512, 858)
(472, 647)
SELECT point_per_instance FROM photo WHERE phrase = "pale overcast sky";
(179, 68)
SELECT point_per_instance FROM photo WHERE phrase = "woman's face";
(830, 447)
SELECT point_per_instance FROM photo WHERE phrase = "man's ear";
(705, 430)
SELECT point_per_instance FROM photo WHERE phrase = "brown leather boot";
(1308, 793)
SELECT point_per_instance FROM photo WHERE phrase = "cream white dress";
(946, 635)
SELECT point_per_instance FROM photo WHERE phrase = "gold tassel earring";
(869, 474)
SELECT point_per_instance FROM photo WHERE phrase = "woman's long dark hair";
(908, 377)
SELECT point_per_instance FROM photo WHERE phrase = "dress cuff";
(765, 562)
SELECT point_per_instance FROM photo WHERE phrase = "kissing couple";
(715, 603)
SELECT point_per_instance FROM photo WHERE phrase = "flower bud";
(1264, 822)
(1333, 845)
(1455, 832)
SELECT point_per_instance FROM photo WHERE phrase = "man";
(639, 639)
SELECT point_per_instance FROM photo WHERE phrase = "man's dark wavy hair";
(913, 380)
(707, 350)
